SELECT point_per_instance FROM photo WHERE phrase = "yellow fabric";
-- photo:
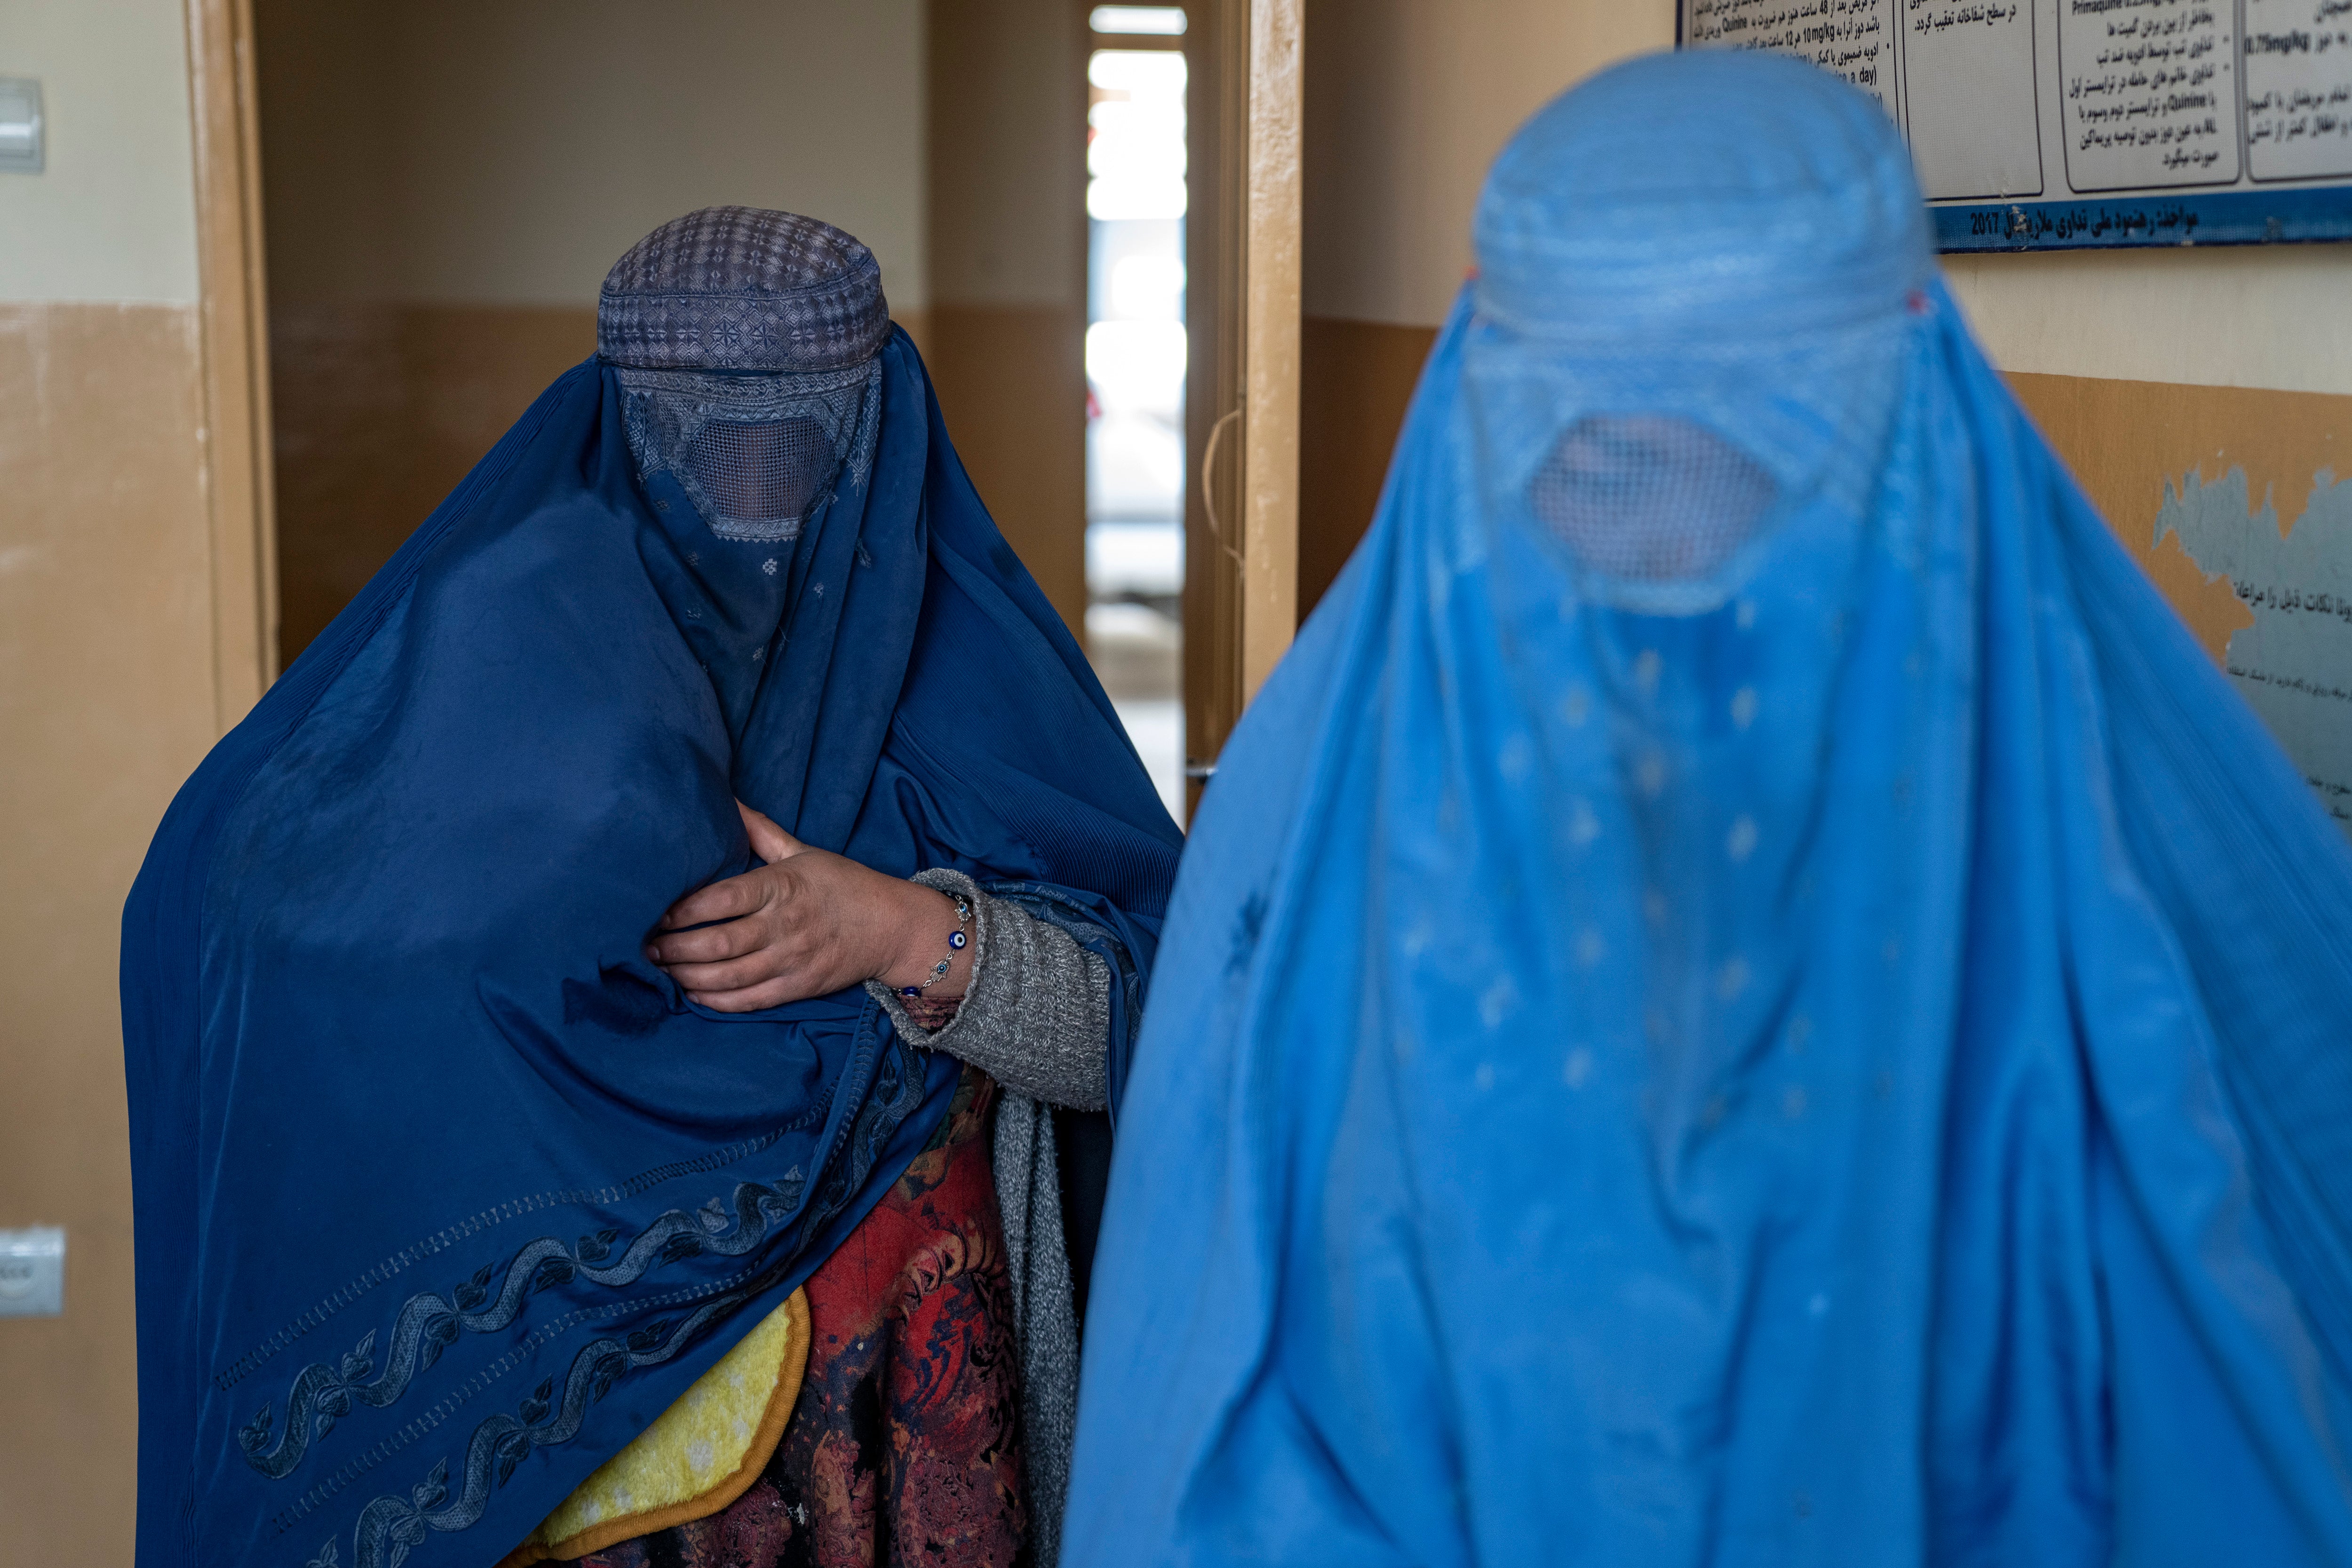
(698, 1455)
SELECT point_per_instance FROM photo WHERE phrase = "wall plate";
(21, 128)
(33, 1272)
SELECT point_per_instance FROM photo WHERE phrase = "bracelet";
(955, 945)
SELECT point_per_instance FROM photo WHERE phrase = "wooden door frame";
(234, 317)
(1243, 243)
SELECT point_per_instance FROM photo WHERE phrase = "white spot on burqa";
(1732, 978)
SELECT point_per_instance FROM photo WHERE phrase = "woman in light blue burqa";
(1747, 995)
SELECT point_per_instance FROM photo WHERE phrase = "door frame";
(1243, 242)
(233, 328)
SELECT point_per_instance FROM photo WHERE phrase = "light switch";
(32, 1272)
(20, 125)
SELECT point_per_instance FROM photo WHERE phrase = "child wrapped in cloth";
(496, 1200)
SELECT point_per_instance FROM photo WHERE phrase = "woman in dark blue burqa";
(457, 1159)
(1746, 995)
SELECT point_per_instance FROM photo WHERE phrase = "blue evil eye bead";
(956, 940)
(911, 991)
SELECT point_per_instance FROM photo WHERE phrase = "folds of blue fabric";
(2007, 1228)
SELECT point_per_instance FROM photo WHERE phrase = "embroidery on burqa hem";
(358, 1465)
(428, 1323)
(392, 1525)
(499, 1213)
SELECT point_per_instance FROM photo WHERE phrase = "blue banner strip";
(2221, 217)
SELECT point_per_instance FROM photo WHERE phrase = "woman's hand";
(804, 924)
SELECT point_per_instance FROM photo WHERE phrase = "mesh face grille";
(764, 473)
(756, 455)
(1649, 499)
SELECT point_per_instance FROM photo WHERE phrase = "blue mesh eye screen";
(767, 471)
(755, 455)
(1649, 498)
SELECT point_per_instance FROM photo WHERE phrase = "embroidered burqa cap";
(743, 289)
(1746, 995)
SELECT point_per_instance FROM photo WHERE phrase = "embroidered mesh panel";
(757, 455)
(1647, 498)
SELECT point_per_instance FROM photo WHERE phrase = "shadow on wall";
(381, 411)
(1355, 382)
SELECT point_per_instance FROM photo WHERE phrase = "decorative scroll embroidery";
(428, 1323)
(392, 1525)
(441, 1241)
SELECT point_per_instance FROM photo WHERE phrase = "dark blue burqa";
(442, 1191)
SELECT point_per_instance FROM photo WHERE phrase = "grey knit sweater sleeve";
(1036, 1014)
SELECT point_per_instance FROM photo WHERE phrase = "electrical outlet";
(32, 1272)
(20, 125)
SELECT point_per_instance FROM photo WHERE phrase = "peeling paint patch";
(2291, 658)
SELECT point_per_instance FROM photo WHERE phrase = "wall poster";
(2062, 124)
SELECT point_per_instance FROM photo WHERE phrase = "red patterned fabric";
(905, 1446)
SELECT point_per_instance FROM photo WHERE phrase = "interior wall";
(2147, 369)
(1007, 246)
(107, 700)
(445, 185)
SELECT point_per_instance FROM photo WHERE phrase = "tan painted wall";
(1407, 102)
(1006, 341)
(107, 700)
(446, 184)
(453, 152)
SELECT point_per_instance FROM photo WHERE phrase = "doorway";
(1136, 361)
(443, 188)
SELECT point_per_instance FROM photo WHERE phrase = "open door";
(1243, 242)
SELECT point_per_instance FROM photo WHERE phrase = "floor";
(1135, 574)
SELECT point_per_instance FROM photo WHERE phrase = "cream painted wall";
(114, 218)
(1408, 100)
(2265, 316)
(525, 144)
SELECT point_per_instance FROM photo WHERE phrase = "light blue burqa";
(1824, 1037)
